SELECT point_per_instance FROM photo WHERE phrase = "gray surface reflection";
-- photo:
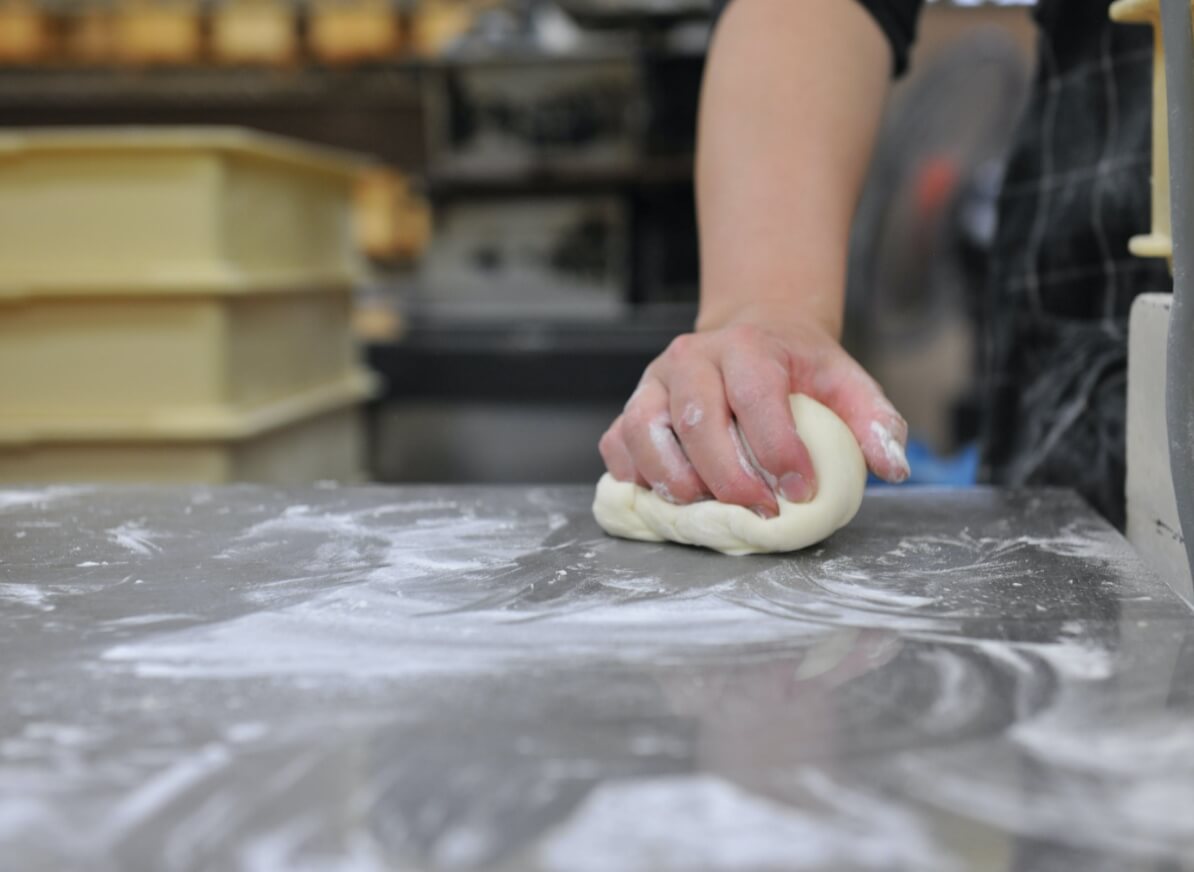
(439, 678)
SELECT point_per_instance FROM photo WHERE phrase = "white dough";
(632, 512)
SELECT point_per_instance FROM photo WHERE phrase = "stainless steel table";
(437, 678)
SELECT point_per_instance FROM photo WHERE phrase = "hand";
(711, 418)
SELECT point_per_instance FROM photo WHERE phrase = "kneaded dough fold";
(627, 510)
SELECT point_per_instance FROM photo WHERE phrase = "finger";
(758, 388)
(647, 431)
(880, 430)
(701, 416)
(616, 455)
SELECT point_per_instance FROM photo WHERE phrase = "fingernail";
(893, 451)
(902, 458)
(765, 512)
(795, 488)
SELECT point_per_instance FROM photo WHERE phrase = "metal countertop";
(460, 678)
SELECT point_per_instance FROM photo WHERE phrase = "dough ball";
(627, 510)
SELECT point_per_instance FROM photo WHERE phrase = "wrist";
(772, 314)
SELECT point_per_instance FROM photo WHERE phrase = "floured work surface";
(434, 678)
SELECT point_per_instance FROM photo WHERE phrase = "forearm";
(791, 103)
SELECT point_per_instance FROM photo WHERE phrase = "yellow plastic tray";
(305, 438)
(131, 210)
(150, 362)
(325, 447)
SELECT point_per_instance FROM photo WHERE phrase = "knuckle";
(608, 442)
(691, 418)
(745, 393)
(744, 334)
(636, 417)
(682, 346)
(774, 371)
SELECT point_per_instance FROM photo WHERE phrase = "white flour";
(135, 537)
(34, 595)
(687, 822)
(382, 594)
(15, 499)
(326, 611)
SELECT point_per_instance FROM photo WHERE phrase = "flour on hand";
(627, 510)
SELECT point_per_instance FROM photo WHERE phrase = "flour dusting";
(15, 499)
(687, 822)
(33, 595)
(368, 678)
(381, 591)
(135, 537)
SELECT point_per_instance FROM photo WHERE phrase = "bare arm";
(792, 98)
(791, 102)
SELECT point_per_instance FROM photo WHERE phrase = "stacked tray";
(175, 306)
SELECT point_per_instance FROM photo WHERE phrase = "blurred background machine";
(524, 210)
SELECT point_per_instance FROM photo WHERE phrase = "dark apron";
(1062, 280)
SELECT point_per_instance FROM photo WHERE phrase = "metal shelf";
(44, 87)
(561, 361)
(645, 172)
